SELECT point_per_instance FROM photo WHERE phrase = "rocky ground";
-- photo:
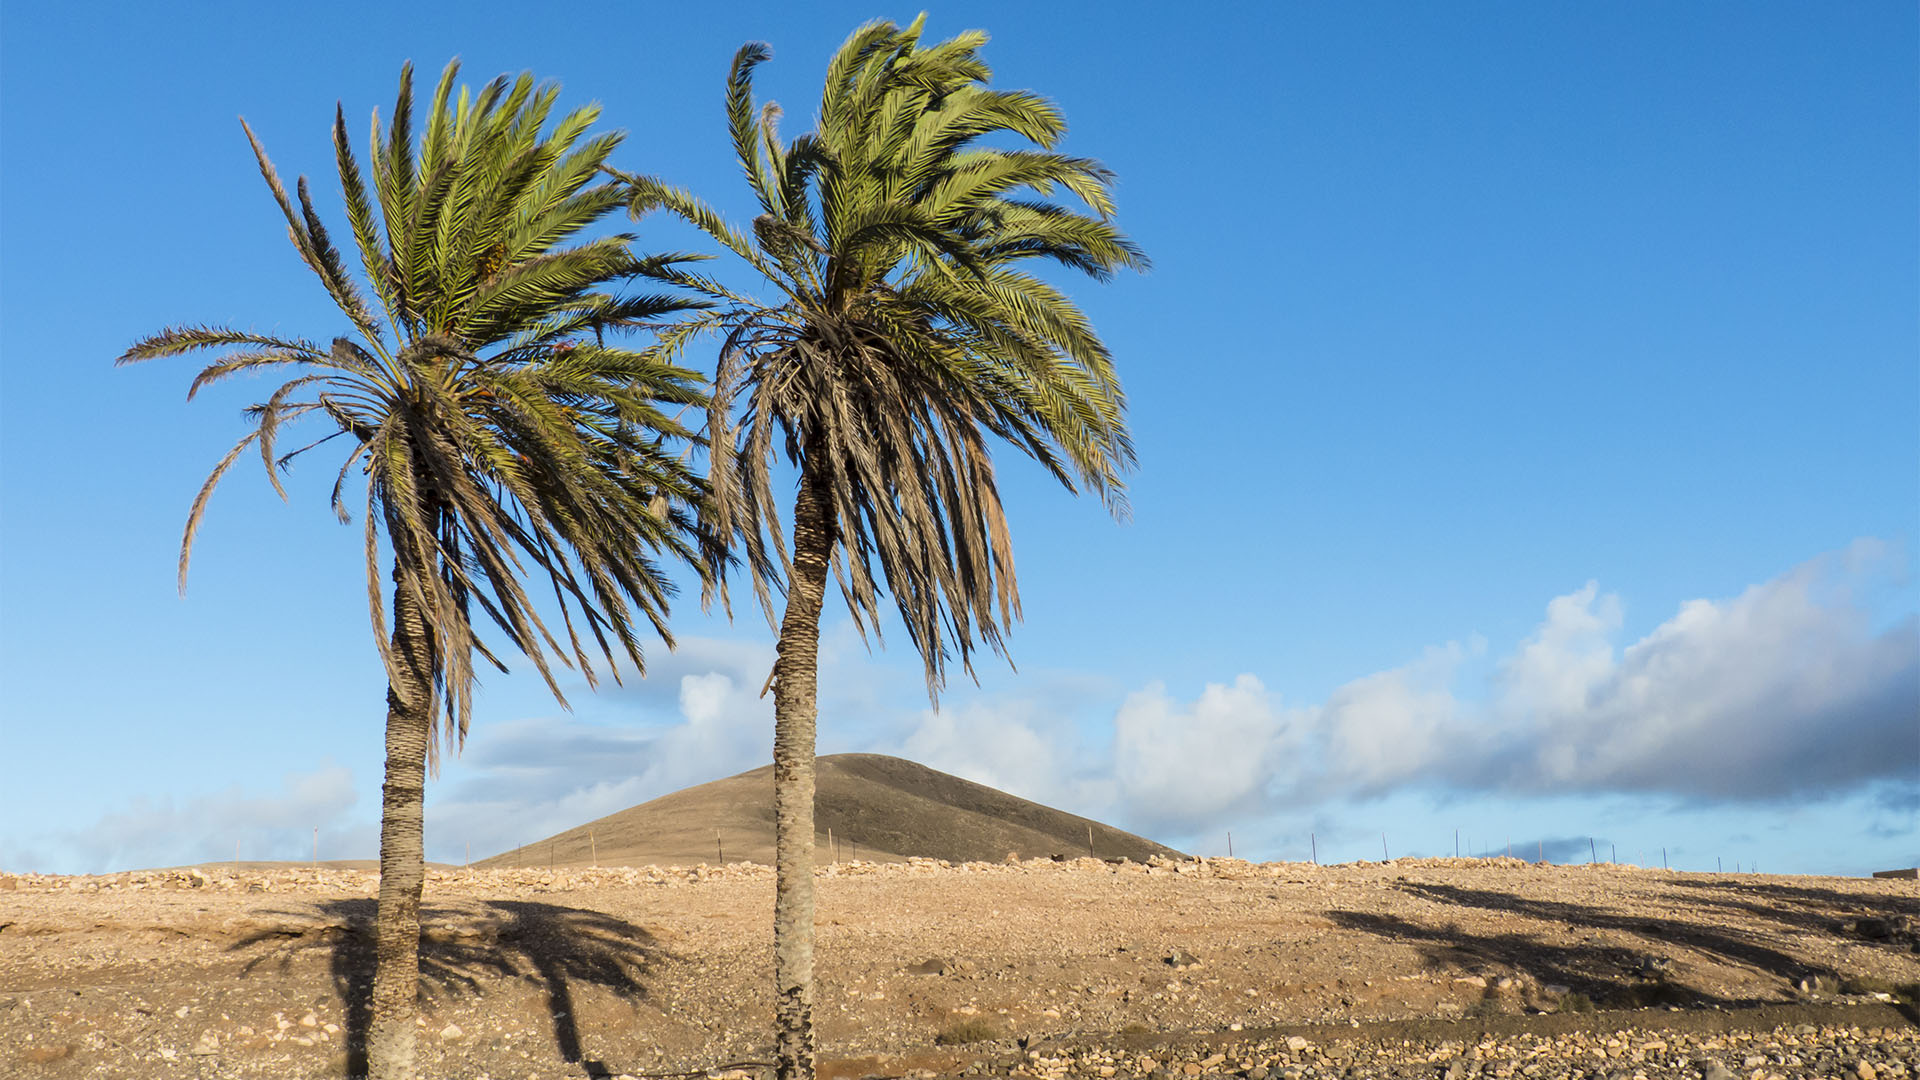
(1442, 969)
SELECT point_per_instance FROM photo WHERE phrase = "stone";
(931, 966)
(1874, 929)
(1258, 1072)
(1296, 1044)
(1864, 1070)
(1714, 1069)
(208, 1045)
(451, 1031)
(1181, 958)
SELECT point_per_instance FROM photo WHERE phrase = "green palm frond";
(906, 329)
(501, 439)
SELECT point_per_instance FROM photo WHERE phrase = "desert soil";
(1434, 968)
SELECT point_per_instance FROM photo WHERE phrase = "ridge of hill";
(867, 806)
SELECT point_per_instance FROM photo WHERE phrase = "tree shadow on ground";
(1612, 973)
(1802, 907)
(553, 948)
(1606, 974)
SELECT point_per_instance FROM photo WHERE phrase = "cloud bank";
(273, 824)
(1784, 692)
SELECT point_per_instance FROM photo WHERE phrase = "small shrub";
(1865, 984)
(1575, 1002)
(1651, 995)
(971, 1030)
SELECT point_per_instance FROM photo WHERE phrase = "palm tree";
(905, 330)
(500, 436)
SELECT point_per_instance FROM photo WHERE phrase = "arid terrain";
(1433, 968)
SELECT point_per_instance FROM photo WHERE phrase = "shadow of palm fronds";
(461, 948)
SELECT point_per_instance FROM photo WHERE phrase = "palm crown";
(909, 327)
(494, 425)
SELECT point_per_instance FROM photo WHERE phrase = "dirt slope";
(872, 806)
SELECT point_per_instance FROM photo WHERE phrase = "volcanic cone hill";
(874, 807)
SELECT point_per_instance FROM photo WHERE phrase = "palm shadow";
(1806, 907)
(553, 948)
(1613, 973)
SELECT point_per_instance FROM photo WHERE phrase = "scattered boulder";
(1880, 929)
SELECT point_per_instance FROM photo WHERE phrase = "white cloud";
(271, 825)
(1786, 691)
(1183, 764)
(1018, 745)
(1783, 690)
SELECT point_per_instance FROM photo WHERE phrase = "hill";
(869, 806)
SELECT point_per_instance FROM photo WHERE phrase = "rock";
(1296, 1044)
(1456, 1070)
(1874, 929)
(1211, 1060)
(931, 966)
(1713, 1069)
(1864, 1070)
(1654, 965)
(1258, 1072)
(208, 1045)
(451, 1031)
(1181, 958)
(1471, 980)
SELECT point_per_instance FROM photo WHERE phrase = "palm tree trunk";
(396, 973)
(794, 712)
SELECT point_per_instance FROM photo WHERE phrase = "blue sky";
(1527, 396)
